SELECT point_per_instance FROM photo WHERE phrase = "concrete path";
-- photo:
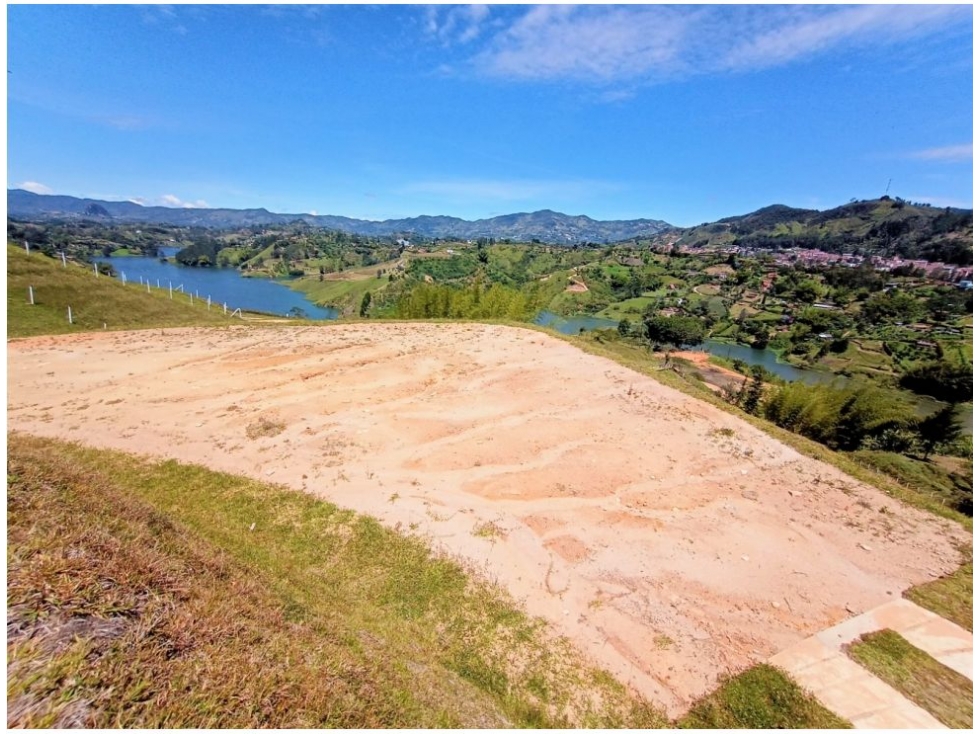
(852, 692)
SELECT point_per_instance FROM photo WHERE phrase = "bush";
(840, 418)
(942, 380)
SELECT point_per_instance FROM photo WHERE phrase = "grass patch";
(488, 530)
(762, 697)
(950, 597)
(944, 693)
(923, 477)
(149, 594)
(344, 295)
(264, 428)
(94, 301)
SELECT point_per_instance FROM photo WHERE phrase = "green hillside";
(96, 303)
(885, 226)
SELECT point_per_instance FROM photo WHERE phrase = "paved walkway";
(852, 692)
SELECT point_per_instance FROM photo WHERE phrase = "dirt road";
(670, 540)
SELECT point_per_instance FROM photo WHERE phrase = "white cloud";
(948, 153)
(804, 32)
(34, 187)
(616, 95)
(173, 201)
(459, 24)
(607, 44)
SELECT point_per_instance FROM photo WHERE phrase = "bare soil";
(671, 541)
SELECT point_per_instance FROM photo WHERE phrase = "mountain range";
(546, 226)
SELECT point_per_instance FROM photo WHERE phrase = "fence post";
(27, 247)
(69, 316)
(171, 290)
(147, 285)
(95, 267)
(64, 263)
(123, 278)
(30, 291)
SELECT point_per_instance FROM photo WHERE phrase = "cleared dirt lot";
(670, 540)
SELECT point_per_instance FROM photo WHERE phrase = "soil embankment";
(671, 541)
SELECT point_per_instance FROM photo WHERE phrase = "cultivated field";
(669, 540)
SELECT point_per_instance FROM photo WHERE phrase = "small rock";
(566, 611)
(749, 494)
(744, 471)
(791, 493)
(865, 547)
(745, 558)
(776, 604)
(252, 527)
(270, 472)
(850, 608)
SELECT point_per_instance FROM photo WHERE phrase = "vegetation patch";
(264, 428)
(944, 693)
(762, 697)
(489, 530)
(950, 597)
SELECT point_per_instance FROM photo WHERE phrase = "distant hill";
(546, 226)
(885, 226)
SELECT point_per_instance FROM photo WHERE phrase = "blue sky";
(683, 113)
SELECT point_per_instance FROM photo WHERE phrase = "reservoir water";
(223, 285)
(573, 324)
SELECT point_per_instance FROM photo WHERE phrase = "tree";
(890, 306)
(625, 328)
(942, 380)
(675, 330)
(365, 304)
(753, 391)
(938, 430)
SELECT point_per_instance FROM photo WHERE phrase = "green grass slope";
(94, 301)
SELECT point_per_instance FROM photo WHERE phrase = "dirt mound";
(670, 540)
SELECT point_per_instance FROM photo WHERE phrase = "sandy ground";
(671, 541)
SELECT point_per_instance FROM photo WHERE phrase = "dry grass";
(941, 691)
(264, 428)
(148, 595)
